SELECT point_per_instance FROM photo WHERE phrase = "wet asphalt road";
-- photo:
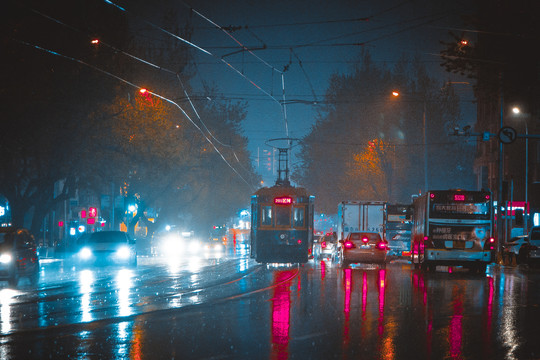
(230, 307)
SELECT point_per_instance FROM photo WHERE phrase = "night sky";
(302, 42)
(307, 41)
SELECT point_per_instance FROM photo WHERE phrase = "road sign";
(507, 135)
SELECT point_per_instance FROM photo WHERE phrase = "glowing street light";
(516, 110)
(396, 93)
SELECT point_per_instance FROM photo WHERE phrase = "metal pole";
(425, 151)
(500, 180)
(526, 210)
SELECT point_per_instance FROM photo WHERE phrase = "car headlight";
(5, 258)
(194, 246)
(85, 253)
(123, 252)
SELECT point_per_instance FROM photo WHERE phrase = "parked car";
(510, 249)
(325, 246)
(531, 252)
(18, 256)
(107, 247)
(363, 247)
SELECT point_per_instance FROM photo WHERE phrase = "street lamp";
(396, 93)
(516, 110)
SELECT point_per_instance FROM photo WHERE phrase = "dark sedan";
(18, 256)
(363, 247)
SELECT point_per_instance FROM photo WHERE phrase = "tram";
(281, 222)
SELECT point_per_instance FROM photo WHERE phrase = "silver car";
(531, 252)
(325, 247)
(107, 248)
(363, 247)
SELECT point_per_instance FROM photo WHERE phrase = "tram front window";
(266, 215)
(298, 217)
(283, 216)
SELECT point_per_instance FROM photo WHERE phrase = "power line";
(139, 87)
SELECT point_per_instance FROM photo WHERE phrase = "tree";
(367, 145)
(44, 102)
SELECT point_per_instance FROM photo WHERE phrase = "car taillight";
(381, 245)
(323, 244)
(348, 245)
(490, 244)
(365, 239)
(427, 242)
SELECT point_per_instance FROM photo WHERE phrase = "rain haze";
(269, 179)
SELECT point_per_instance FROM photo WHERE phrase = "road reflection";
(6, 299)
(86, 280)
(281, 313)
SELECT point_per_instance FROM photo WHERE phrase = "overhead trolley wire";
(139, 87)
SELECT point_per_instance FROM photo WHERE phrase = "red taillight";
(348, 245)
(490, 244)
(427, 242)
(323, 244)
(381, 245)
(365, 239)
(299, 241)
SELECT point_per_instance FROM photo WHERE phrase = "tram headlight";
(5, 258)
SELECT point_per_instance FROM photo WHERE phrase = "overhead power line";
(139, 87)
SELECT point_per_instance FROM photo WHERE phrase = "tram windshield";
(283, 216)
(298, 216)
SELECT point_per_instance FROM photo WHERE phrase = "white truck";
(355, 216)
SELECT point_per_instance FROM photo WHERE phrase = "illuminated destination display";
(283, 200)
(459, 197)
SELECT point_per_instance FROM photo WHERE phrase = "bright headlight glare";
(5, 258)
(194, 246)
(171, 247)
(123, 252)
(85, 253)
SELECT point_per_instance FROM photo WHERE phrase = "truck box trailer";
(354, 216)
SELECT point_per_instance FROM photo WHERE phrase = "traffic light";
(92, 214)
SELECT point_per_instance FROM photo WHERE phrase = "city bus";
(452, 228)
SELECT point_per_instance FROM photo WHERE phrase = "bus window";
(283, 215)
(266, 215)
(298, 217)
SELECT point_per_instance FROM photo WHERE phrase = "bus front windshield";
(461, 210)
